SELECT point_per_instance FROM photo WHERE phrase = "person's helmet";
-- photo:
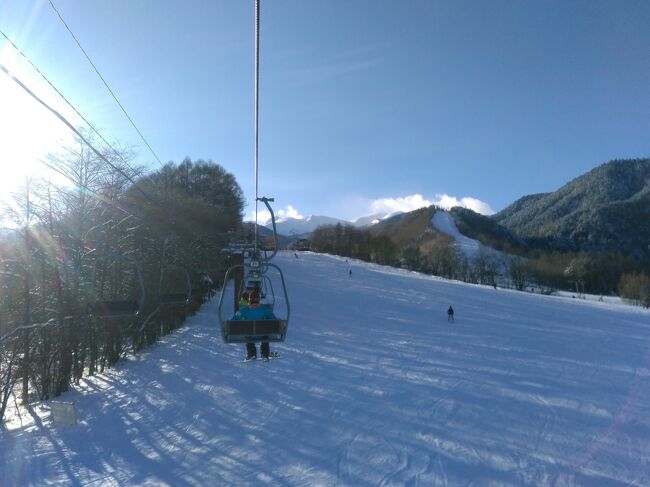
(254, 297)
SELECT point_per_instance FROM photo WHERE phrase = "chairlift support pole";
(257, 110)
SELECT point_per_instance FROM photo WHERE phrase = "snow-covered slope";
(375, 388)
(443, 221)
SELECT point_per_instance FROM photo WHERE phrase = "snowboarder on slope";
(450, 314)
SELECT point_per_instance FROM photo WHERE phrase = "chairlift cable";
(97, 153)
(67, 123)
(257, 110)
(93, 193)
(92, 127)
(105, 83)
(265, 328)
(71, 127)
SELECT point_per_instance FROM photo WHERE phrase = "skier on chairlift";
(243, 300)
(255, 311)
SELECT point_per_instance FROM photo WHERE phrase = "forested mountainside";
(606, 210)
(486, 230)
(593, 231)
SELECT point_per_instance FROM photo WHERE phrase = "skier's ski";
(272, 356)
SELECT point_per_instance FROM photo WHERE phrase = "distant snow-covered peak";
(300, 226)
(373, 219)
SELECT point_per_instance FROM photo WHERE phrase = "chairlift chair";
(117, 306)
(169, 292)
(177, 297)
(256, 269)
(243, 331)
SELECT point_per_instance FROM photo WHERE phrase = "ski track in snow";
(375, 388)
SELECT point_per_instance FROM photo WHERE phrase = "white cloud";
(415, 201)
(264, 217)
(386, 206)
(290, 212)
(394, 205)
(445, 201)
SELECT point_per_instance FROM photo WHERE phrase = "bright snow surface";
(375, 388)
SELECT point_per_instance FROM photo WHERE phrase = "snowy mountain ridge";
(290, 226)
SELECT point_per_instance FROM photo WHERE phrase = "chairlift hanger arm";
(266, 201)
(284, 290)
(223, 289)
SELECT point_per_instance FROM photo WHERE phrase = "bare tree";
(518, 271)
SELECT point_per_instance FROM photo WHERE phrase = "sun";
(28, 131)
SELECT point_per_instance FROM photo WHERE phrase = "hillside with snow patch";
(469, 247)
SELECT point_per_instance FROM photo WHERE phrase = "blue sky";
(366, 105)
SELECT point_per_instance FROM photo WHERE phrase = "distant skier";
(450, 314)
(350, 272)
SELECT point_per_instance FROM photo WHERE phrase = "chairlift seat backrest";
(168, 291)
(118, 308)
(174, 298)
(242, 331)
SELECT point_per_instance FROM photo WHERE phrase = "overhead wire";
(105, 83)
(70, 126)
(56, 113)
(97, 153)
(92, 127)
(64, 120)
(90, 191)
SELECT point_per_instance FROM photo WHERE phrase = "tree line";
(90, 241)
(431, 253)
(349, 241)
(517, 268)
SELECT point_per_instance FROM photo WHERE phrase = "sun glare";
(28, 131)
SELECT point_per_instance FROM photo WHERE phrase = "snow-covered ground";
(375, 388)
(443, 221)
